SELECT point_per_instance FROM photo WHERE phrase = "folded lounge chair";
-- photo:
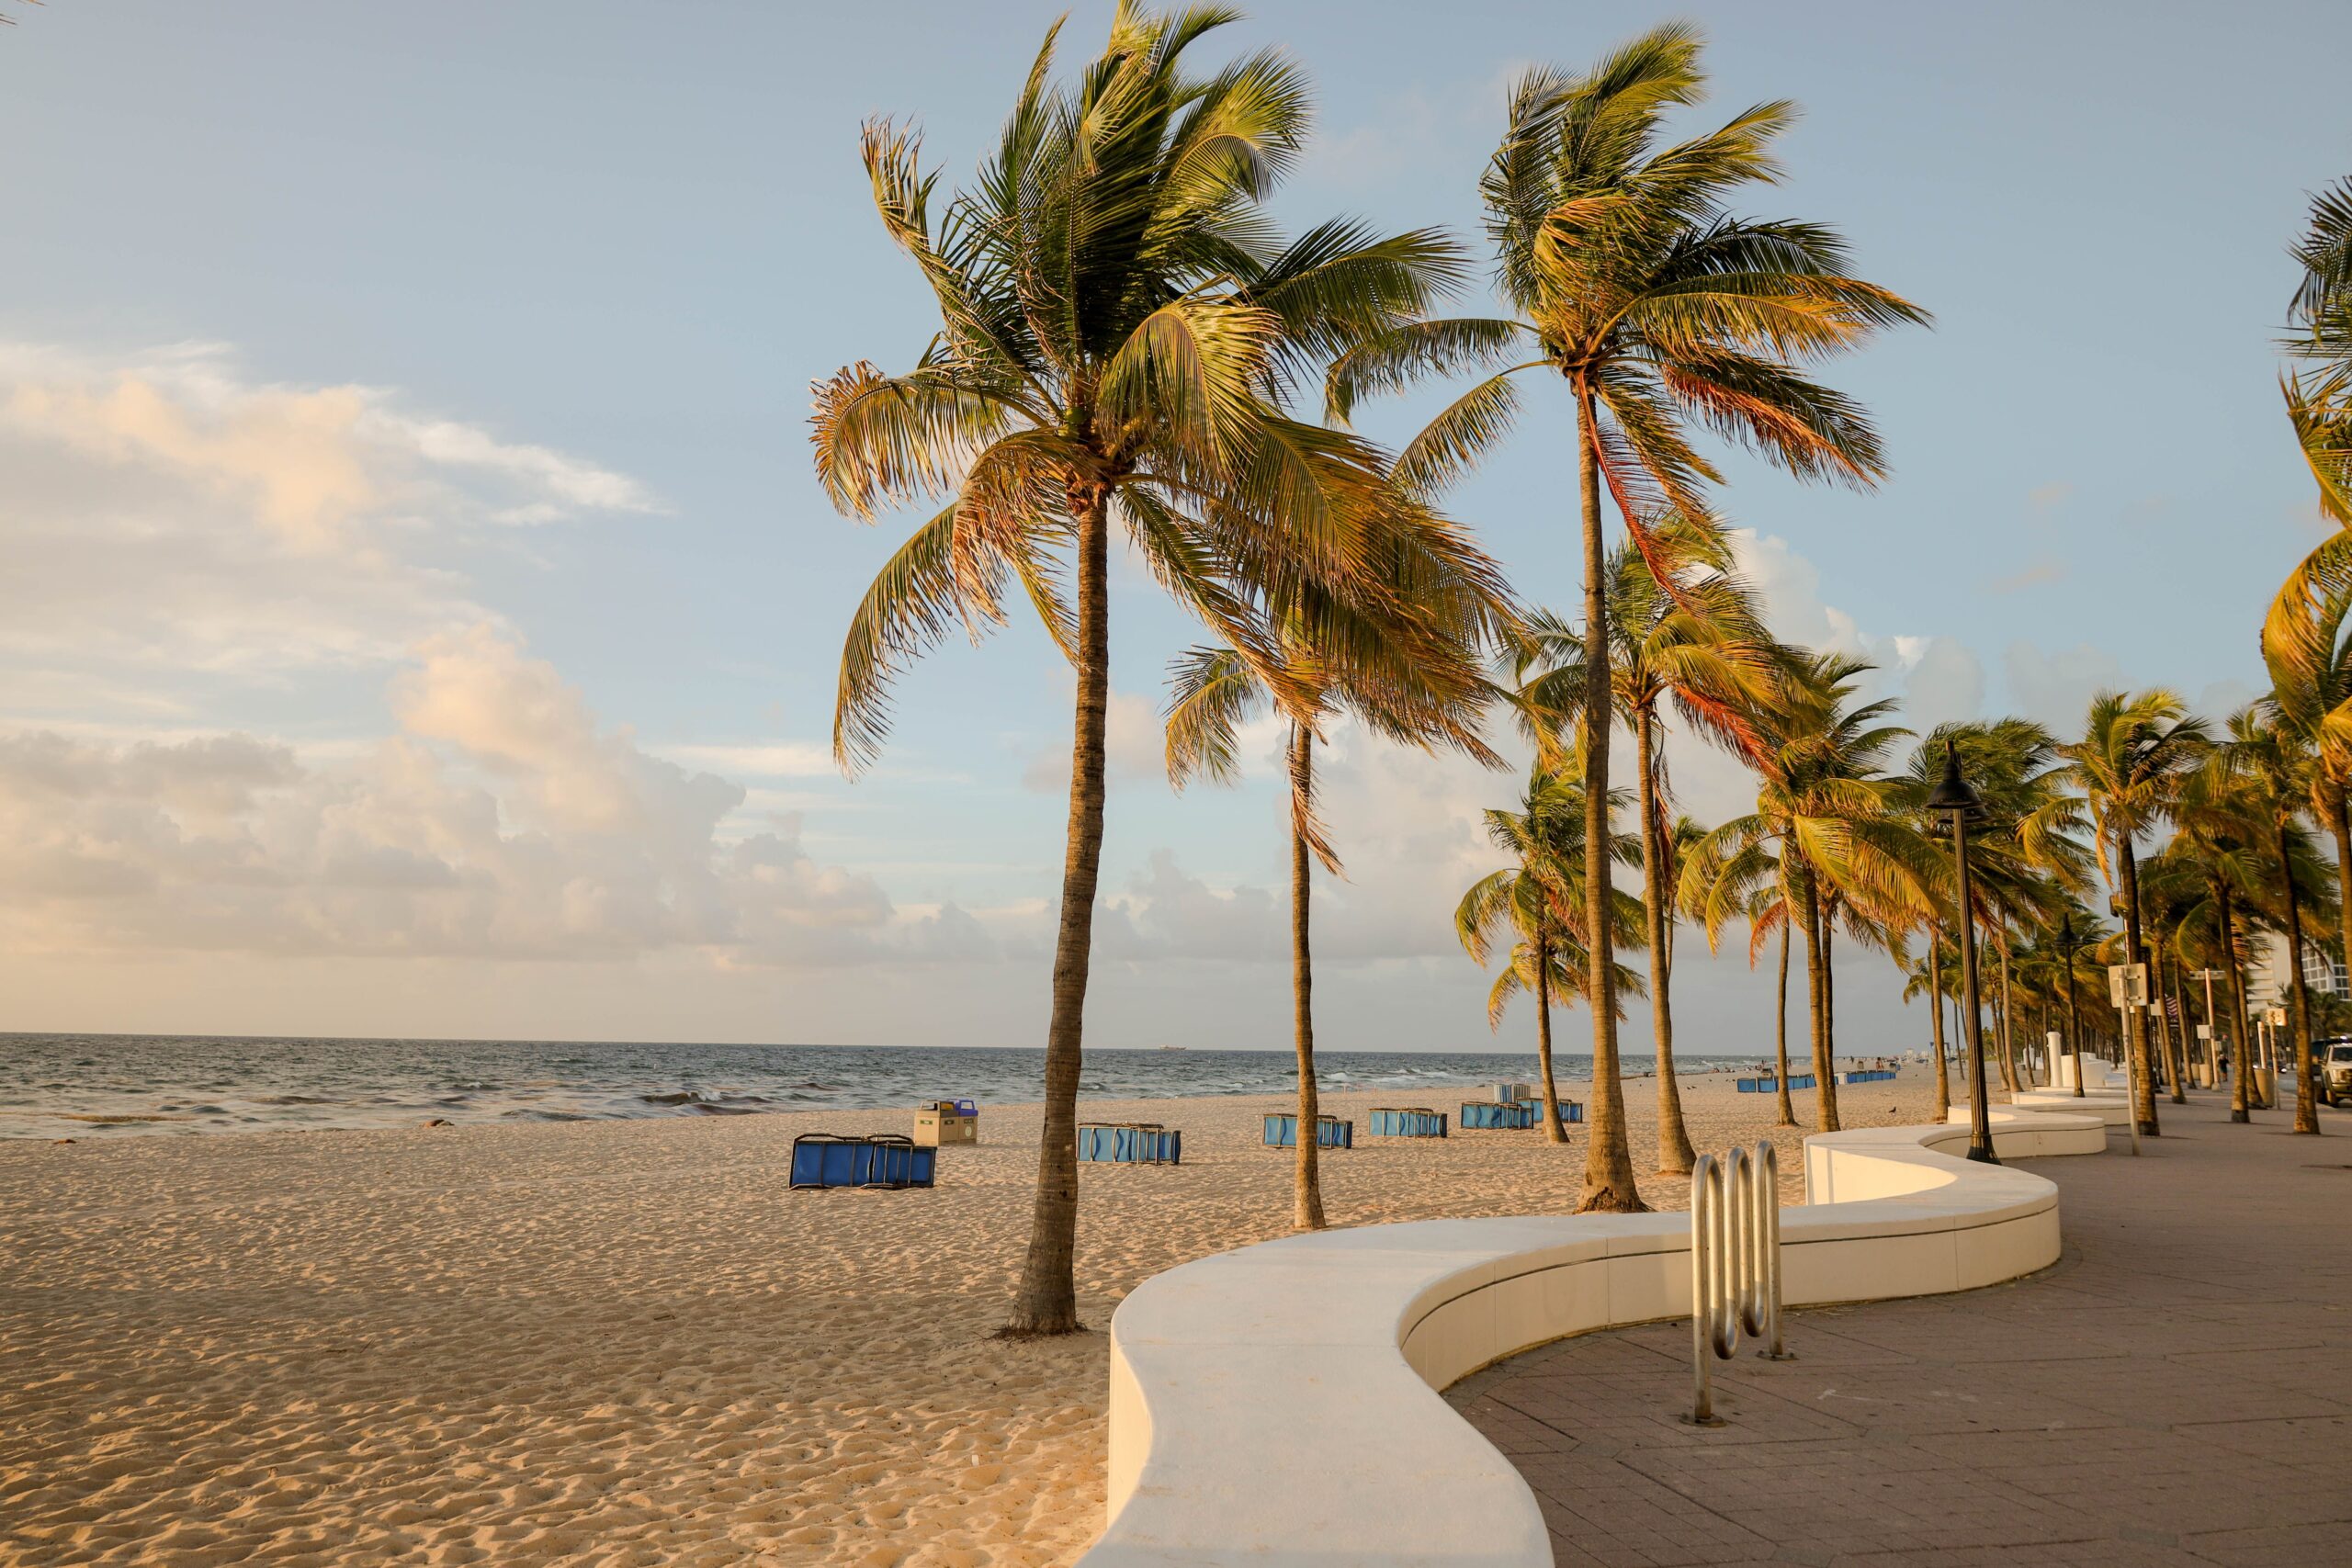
(1330, 1132)
(882, 1160)
(1476, 1114)
(1407, 1122)
(1130, 1143)
(1570, 1110)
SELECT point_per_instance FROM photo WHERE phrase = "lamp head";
(1951, 793)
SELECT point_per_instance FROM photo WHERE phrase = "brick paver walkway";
(2177, 1390)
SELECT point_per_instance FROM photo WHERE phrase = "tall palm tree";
(2216, 867)
(1829, 832)
(1695, 643)
(1118, 326)
(2129, 766)
(2266, 762)
(2025, 851)
(2319, 398)
(2307, 645)
(1381, 683)
(1539, 900)
(1635, 285)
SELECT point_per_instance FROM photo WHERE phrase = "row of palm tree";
(1128, 345)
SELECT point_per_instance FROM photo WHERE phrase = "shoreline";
(625, 1340)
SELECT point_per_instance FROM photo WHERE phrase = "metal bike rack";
(1734, 1266)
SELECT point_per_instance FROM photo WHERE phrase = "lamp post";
(2071, 941)
(1952, 799)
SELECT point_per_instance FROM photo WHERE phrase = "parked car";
(2335, 1070)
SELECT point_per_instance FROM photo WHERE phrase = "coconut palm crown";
(1118, 326)
(1633, 283)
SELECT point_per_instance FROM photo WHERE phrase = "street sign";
(2275, 1018)
(2127, 984)
(2204, 1032)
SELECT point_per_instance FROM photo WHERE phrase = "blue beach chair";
(1491, 1114)
(1330, 1132)
(1130, 1143)
(882, 1161)
(1407, 1121)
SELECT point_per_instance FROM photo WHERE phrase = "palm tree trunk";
(2176, 1020)
(1936, 990)
(1675, 1155)
(1307, 1200)
(2245, 1095)
(1554, 1130)
(2340, 825)
(1047, 1302)
(1780, 1034)
(1609, 1161)
(1825, 1081)
(2008, 1020)
(2306, 1104)
(1817, 966)
(2143, 1089)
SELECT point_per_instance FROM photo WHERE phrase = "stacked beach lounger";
(1407, 1122)
(1767, 1084)
(1330, 1132)
(1130, 1143)
(1516, 1113)
(881, 1160)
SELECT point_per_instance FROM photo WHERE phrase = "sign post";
(2127, 988)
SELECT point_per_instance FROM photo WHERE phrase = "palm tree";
(1117, 327)
(1828, 833)
(2129, 765)
(1694, 642)
(2264, 760)
(2218, 864)
(2307, 645)
(2024, 850)
(2319, 399)
(1633, 283)
(1539, 898)
(1767, 912)
(1382, 683)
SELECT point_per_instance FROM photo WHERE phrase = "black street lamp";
(2069, 944)
(1954, 800)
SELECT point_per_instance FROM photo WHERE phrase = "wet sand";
(627, 1342)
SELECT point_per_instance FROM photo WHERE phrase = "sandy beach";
(627, 1342)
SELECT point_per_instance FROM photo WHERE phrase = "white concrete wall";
(1279, 1404)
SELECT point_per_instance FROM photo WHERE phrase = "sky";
(420, 617)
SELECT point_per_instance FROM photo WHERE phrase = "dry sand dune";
(626, 1342)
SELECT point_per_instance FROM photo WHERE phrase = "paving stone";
(2176, 1391)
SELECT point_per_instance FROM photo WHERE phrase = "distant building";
(2323, 971)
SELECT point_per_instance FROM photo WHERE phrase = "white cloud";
(173, 523)
(501, 821)
(1937, 677)
(2055, 687)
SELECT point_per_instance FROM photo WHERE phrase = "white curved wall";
(1279, 1404)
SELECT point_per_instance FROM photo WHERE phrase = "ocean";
(116, 1086)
